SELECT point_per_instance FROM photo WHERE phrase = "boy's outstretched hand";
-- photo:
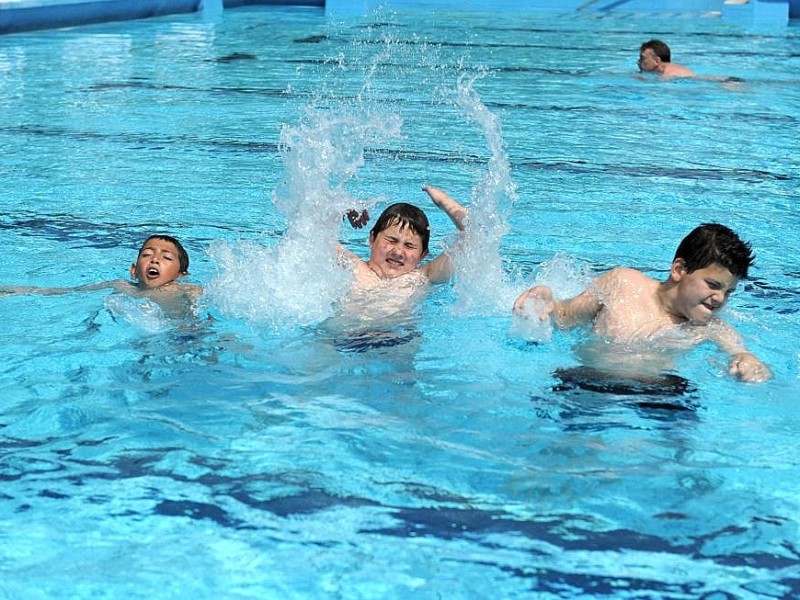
(537, 301)
(747, 367)
(357, 219)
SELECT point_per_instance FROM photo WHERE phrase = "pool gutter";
(29, 15)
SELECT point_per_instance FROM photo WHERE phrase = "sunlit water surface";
(264, 449)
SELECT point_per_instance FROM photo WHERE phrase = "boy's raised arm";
(440, 269)
(344, 256)
(453, 209)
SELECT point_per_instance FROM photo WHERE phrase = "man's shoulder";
(675, 70)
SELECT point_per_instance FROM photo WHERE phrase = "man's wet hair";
(712, 243)
(659, 48)
(183, 256)
(405, 215)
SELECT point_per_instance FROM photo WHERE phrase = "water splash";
(299, 280)
(566, 276)
(357, 112)
(534, 324)
(481, 281)
(142, 313)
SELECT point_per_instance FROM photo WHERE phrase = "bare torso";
(176, 300)
(373, 298)
(632, 314)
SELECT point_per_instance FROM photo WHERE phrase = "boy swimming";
(630, 309)
(160, 263)
(388, 283)
(399, 242)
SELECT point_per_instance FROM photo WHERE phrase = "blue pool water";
(268, 451)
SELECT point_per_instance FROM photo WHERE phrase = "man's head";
(399, 240)
(162, 259)
(651, 54)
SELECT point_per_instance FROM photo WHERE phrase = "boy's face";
(157, 264)
(702, 292)
(395, 251)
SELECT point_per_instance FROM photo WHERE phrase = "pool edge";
(18, 16)
(22, 16)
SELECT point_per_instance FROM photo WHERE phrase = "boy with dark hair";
(399, 242)
(160, 262)
(628, 307)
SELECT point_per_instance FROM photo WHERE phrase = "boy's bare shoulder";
(363, 274)
(192, 290)
(175, 287)
(120, 285)
(197, 291)
(626, 273)
(622, 284)
(622, 276)
(189, 290)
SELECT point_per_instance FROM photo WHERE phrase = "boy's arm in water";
(20, 290)
(744, 365)
(440, 269)
(565, 313)
(747, 367)
(194, 291)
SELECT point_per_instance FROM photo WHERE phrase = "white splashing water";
(564, 275)
(142, 313)
(298, 281)
(534, 324)
(566, 278)
(481, 282)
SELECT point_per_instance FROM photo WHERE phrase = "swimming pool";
(256, 455)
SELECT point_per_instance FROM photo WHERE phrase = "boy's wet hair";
(712, 243)
(405, 215)
(183, 256)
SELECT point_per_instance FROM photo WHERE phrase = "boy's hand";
(544, 306)
(357, 219)
(746, 367)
